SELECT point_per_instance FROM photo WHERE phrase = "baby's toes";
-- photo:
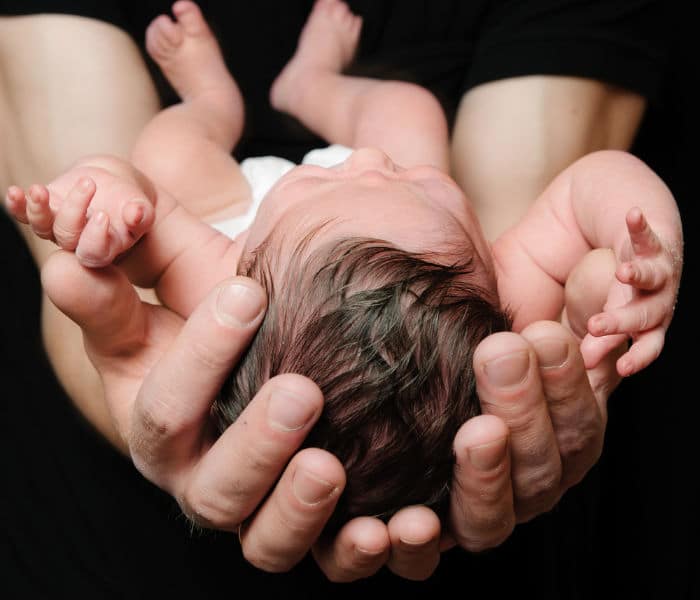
(189, 15)
(98, 246)
(39, 212)
(163, 37)
(71, 217)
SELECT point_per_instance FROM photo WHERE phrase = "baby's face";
(419, 209)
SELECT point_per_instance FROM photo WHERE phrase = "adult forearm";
(79, 88)
(513, 136)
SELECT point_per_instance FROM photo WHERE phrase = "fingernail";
(238, 305)
(552, 353)
(509, 369)
(134, 212)
(287, 411)
(365, 554)
(310, 489)
(413, 543)
(488, 456)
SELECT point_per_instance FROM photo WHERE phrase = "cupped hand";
(160, 376)
(542, 430)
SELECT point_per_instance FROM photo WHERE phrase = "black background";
(76, 520)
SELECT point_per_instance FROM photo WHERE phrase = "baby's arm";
(605, 200)
(103, 206)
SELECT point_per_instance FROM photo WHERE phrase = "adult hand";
(542, 430)
(160, 375)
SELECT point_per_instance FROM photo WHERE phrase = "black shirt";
(447, 46)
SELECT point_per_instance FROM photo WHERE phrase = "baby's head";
(380, 287)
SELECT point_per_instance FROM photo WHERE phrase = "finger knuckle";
(206, 358)
(208, 508)
(643, 318)
(337, 576)
(264, 558)
(540, 488)
(492, 533)
(43, 232)
(575, 443)
(158, 421)
(493, 490)
(264, 456)
(66, 236)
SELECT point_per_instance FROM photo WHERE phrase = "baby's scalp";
(388, 336)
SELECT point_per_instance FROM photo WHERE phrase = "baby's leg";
(402, 119)
(186, 148)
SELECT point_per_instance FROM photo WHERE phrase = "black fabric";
(448, 46)
(77, 520)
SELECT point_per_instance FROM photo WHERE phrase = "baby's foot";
(187, 52)
(327, 44)
(77, 223)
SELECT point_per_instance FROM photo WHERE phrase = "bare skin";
(203, 129)
(173, 462)
(539, 125)
(327, 44)
(403, 120)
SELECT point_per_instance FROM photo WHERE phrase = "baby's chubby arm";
(605, 200)
(106, 211)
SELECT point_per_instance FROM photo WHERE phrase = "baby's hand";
(98, 227)
(640, 301)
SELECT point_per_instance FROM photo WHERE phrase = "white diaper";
(262, 172)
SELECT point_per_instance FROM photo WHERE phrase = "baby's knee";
(413, 100)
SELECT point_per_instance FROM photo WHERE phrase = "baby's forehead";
(300, 256)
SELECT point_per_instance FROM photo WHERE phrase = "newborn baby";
(379, 279)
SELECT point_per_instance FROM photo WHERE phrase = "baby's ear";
(587, 288)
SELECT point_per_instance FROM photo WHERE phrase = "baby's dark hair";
(388, 336)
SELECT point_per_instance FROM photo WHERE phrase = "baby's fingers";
(39, 212)
(106, 237)
(639, 315)
(71, 217)
(644, 240)
(138, 217)
(645, 350)
(595, 349)
(16, 204)
(96, 247)
(643, 274)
